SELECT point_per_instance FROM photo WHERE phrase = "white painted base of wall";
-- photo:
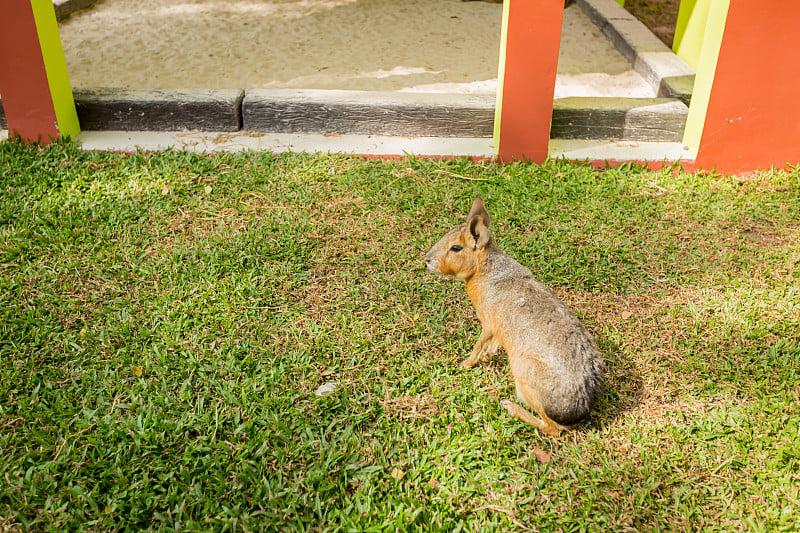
(370, 145)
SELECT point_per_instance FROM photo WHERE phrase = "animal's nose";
(430, 262)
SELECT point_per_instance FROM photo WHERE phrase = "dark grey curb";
(159, 109)
(364, 112)
(668, 74)
(631, 119)
(368, 112)
(65, 8)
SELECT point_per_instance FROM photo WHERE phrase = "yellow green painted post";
(501, 70)
(706, 69)
(56, 66)
(690, 30)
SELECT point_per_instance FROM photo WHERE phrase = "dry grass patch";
(411, 407)
(645, 340)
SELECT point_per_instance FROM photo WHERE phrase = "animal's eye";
(456, 248)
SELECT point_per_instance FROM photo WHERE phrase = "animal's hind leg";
(530, 398)
(544, 424)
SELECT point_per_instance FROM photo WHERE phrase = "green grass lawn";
(165, 321)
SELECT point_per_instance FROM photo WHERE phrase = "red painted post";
(753, 116)
(527, 84)
(34, 85)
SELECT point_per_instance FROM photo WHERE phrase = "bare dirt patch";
(658, 15)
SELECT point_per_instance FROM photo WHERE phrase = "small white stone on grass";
(324, 389)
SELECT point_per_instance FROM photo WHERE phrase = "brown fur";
(556, 365)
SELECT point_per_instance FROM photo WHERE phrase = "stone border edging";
(65, 8)
(368, 112)
(364, 112)
(159, 109)
(628, 119)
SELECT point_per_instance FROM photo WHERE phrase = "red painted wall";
(753, 118)
(24, 89)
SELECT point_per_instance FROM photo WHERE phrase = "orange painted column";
(527, 78)
(34, 84)
(753, 115)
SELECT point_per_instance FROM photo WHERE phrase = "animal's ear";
(478, 209)
(479, 230)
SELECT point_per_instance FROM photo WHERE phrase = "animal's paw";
(508, 405)
(466, 364)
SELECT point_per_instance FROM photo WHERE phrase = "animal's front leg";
(486, 344)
